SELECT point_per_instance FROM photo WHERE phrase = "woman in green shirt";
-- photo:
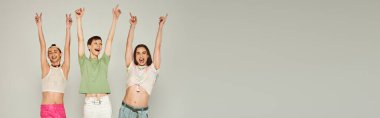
(94, 83)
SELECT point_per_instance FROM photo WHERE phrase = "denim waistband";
(133, 108)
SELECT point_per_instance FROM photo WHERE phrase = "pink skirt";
(52, 111)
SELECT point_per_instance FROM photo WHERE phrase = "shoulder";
(152, 68)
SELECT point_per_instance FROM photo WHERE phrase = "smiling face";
(95, 47)
(142, 55)
(54, 54)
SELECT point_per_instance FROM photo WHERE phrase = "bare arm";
(157, 49)
(128, 50)
(66, 63)
(116, 13)
(44, 63)
(79, 14)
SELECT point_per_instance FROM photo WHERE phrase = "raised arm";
(66, 63)
(79, 14)
(116, 13)
(128, 50)
(44, 63)
(157, 49)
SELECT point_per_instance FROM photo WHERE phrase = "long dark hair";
(148, 61)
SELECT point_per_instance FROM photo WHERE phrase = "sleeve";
(154, 71)
(105, 58)
(81, 59)
(151, 67)
(131, 66)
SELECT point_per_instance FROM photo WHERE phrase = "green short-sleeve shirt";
(94, 75)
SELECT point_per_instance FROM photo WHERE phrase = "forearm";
(67, 47)
(80, 37)
(157, 50)
(68, 39)
(79, 29)
(131, 35)
(110, 37)
(128, 51)
(111, 33)
(43, 59)
(41, 37)
(159, 38)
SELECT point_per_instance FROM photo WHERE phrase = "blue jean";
(127, 111)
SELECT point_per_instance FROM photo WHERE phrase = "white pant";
(97, 107)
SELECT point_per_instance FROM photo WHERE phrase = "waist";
(95, 95)
(132, 95)
(134, 109)
(136, 100)
(52, 98)
(97, 100)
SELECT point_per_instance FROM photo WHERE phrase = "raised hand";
(116, 12)
(69, 21)
(38, 19)
(79, 12)
(162, 20)
(133, 20)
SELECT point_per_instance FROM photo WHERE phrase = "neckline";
(93, 59)
(55, 67)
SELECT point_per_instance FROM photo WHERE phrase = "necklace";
(56, 65)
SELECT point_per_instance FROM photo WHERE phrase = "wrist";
(115, 18)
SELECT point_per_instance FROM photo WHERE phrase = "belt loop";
(138, 114)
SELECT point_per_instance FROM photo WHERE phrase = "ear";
(88, 46)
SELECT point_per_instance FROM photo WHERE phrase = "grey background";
(220, 59)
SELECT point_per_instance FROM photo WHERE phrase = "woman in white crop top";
(54, 76)
(142, 71)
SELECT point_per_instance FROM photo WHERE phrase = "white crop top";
(144, 77)
(54, 81)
